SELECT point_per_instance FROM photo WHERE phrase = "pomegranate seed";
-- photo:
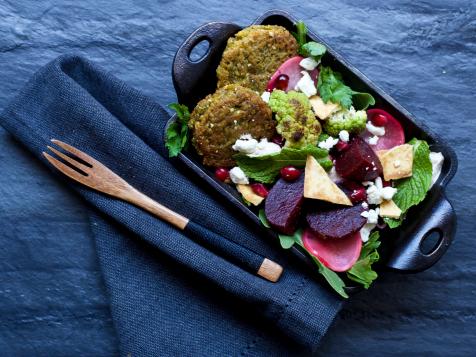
(282, 82)
(341, 146)
(379, 120)
(290, 173)
(358, 195)
(222, 174)
(278, 139)
(259, 189)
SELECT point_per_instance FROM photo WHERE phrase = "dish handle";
(408, 255)
(193, 78)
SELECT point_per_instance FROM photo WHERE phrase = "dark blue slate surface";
(52, 301)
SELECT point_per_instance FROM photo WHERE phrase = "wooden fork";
(95, 175)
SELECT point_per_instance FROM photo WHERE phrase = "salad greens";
(177, 133)
(266, 168)
(362, 272)
(288, 241)
(412, 190)
(308, 49)
(332, 88)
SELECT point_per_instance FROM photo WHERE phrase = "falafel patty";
(221, 118)
(254, 54)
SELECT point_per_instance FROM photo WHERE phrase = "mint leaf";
(266, 168)
(314, 49)
(361, 272)
(176, 136)
(362, 101)
(412, 190)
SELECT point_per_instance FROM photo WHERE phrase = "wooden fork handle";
(233, 252)
(145, 202)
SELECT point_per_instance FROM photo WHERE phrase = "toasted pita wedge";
(397, 162)
(319, 186)
(321, 109)
(248, 194)
(390, 209)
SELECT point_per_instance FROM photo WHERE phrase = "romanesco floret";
(346, 119)
(296, 120)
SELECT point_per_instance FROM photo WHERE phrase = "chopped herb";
(177, 132)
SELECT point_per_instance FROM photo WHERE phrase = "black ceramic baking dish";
(402, 247)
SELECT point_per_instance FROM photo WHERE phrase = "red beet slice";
(394, 134)
(293, 70)
(333, 221)
(283, 205)
(336, 254)
(359, 162)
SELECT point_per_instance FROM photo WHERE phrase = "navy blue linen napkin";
(169, 296)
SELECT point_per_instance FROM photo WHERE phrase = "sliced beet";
(292, 69)
(283, 205)
(333, 221)
(336, 254)
(394, 134)
(359, 162)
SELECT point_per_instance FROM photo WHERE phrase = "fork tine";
(72, 161)
(74, 151)
(68, 171)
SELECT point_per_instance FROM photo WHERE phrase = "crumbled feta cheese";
(366, 230)
(328, 143)
(265, 96)
(238, 176)
(388, 192)
(365, 214)
(373, 140)
(375, 130)
(372, 216)
(334, 176)
(245, 144)
(436, 159)
(376, 193)
(344, 135)
(264, 147)
(373, 195)
(306, 85)
(365, 205)
(397, 163)
(309, 63)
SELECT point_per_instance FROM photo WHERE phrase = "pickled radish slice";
(337, 254)
(292, 70)
(394, 134)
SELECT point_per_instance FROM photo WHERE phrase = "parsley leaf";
(266, 168)
(332, 88)
(361, 272)
(177, 132)
(412, 190)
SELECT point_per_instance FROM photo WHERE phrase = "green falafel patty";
(254, 54)
(221, 118)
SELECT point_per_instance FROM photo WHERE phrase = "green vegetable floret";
(346, 119)
(296, 120)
